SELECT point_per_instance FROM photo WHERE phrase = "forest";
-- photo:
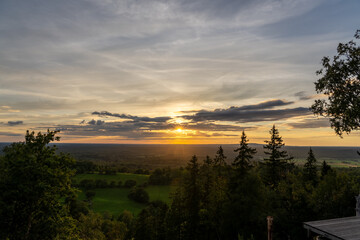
(213, 199)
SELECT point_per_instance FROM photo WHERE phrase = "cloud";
(10, 134)
(250, 113)
(95, 122)
(134, 118)
(311, 123)
(302, 95)
(263, 105)
(15, 123)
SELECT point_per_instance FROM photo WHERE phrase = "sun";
(179, 130)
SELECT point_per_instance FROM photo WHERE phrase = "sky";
(176, 71)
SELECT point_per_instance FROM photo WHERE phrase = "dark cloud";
(250, 113)
(134, 118)
(96, 122)
(137, 130)
(302, 96)
(15, 123)
(10, 134)
(311, 123)
(214, 127)
(263, 105)
(224, 135)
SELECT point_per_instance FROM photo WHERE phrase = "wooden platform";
(336, 229)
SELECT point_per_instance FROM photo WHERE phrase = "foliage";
(93, 227)
(150, 224)
(160, 177)
(90, 195)
(212, 200)
(325, 169)
(34, 179)
(138, 195)
(243, 159)
(129, 183)
(277, 164)
(220, 158)
(310, 172)
(340, 82)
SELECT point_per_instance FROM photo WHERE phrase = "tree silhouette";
(220, 157)
(243, 160)
(325, 169)
(34, 179)
(277, 163)
(310, 172)
(340, 82)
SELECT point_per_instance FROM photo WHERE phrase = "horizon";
(169, 72)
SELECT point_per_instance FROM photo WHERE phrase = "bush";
(100, 183)
(87, 184)
(130, 183)
(112, 184)
(160, 177)
(139, 195)
(90, 195)
(119, 185)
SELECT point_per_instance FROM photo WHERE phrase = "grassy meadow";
(115, 200)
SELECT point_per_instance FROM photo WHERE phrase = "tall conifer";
(278, 161)
(242, 161)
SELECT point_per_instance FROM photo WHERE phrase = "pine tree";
(310, 168)
(192, 197)
(242, 161)
(325, 169)
(208, 177)
(220, 157)
(278, 161)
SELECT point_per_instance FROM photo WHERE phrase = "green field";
(139, 178)
(115, 200)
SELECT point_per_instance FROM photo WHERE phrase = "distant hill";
(173, 155)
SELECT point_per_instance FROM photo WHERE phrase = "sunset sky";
(143, 71)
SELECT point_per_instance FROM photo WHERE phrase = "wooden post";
(269, 226)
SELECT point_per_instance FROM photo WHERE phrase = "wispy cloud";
(311, 123)
(134, 118)
(250, 113)
(14, 123)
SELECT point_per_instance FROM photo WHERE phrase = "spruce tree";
(325, 169)
(310, 168)
(242, 161)
(192, 197)
(220, 157)
(278, 161)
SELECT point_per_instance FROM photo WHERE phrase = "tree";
(243, 159)
(340, 82)
(34, 180)
(310, 172)
(150, 223)
(220, 157)
(192, 197)
(325, 169)
(130, 183)
(277, 163)
(89, 196)
(138, 194)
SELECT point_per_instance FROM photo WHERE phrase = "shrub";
(130, 183)
(139, 195)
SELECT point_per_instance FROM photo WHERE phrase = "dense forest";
(214, 200)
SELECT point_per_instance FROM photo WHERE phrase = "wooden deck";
(336, 229)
